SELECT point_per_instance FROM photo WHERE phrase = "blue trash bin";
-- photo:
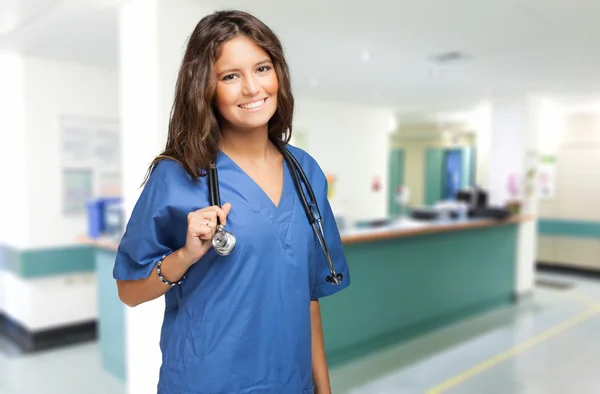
(95, 213)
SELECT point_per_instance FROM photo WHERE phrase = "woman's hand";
(202, 225)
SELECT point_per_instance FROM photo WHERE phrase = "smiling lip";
(253, 106)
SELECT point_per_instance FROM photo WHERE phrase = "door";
(453, 173)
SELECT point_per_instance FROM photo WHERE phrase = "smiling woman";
(249, 320)
(247, 86)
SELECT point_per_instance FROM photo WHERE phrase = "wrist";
(185, 257)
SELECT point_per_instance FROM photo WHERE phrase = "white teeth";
(253, 105)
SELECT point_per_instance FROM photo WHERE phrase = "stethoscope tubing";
(311, 209)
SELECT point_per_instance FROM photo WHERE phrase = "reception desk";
(407, 278)
(411, 278)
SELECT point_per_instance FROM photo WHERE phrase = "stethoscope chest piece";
(223, 241)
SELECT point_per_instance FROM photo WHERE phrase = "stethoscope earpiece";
(335, 280)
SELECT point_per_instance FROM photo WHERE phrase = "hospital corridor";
(299, 197)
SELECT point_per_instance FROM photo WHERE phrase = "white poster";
(90, 161)
(547, 176)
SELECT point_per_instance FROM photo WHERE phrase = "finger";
(201, 222)
(212, 212)
(201, 231)
(221, 214)
(205, 216)
(210, 216)
(227, 208)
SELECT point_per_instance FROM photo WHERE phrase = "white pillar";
(511, 149)
(153, 36)
(14, 207)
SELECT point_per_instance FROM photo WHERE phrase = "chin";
(255, 120)
(252, 125)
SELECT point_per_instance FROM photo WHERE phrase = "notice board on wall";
(547, 176)
(90, 161)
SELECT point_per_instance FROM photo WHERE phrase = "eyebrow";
(235, 69)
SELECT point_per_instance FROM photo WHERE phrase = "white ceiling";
(531, 46)
(76, 30)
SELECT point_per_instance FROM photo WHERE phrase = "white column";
(514, 125)
(153, 36)
(14, 207)
(508, 135)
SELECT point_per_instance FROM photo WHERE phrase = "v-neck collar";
(223, 160)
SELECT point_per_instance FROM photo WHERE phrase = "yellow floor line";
(544, 336)
(583, 300)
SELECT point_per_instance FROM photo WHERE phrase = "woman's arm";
(136, 292)
(319, 362)
(201, 227)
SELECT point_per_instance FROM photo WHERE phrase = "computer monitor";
(474, 197)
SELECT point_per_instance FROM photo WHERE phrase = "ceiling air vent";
(450, 57)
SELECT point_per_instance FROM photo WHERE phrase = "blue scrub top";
(238, 323)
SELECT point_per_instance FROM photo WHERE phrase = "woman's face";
(247, 84)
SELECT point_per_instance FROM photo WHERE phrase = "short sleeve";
(321, 288)
(146, 239)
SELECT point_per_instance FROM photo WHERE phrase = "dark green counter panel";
(569, 228)
(434, 175)
(34, 263)
(111, 325)
(408, 286)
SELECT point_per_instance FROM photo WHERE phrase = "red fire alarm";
(376, 184)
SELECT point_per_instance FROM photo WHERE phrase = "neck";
(250, 144)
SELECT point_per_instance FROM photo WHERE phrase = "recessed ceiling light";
(366, 56)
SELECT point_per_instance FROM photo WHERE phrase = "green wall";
(396, 177)
(434, 177)
(405, 287)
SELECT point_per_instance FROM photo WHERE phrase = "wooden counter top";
(107, 244)
(366, 235)
(383, 233)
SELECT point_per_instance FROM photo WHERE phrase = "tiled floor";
(71, 370)
(544, 345)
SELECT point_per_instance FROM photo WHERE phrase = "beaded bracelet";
(162, 278)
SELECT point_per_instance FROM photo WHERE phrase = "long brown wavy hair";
(194, 129)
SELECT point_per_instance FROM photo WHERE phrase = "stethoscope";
(224, 242)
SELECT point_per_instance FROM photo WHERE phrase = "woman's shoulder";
(311, 168)
(170, 184)
(170, 171)
(169, 178)
(308, 162)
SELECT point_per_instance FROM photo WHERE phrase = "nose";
(251, 86)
